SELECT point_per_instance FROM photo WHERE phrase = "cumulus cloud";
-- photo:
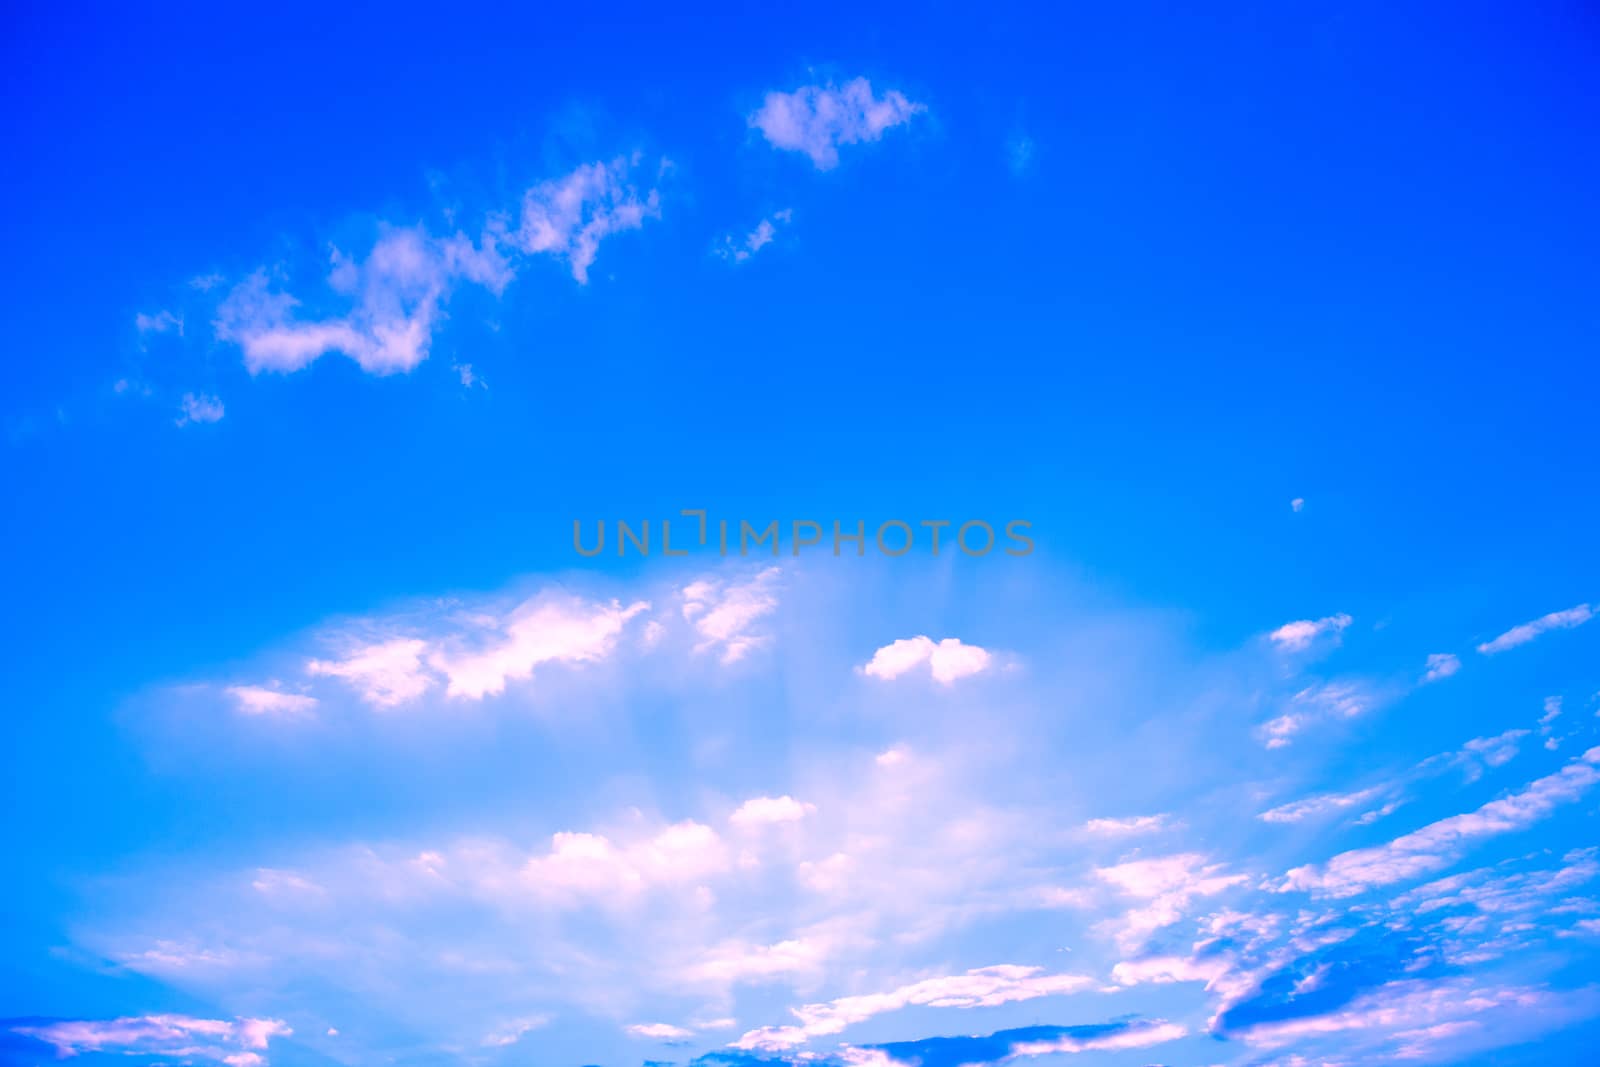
(948, 661)
(1299, 635)
(982, 987)
(818, 119)
(725, 613)
(1438, 844)
(1521, 635)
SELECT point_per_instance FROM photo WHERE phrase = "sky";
(1247, 712)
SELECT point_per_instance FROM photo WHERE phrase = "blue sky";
(324, 746)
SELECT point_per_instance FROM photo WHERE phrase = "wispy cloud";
(726, 613)
(236, 1042)
(1437, 844)
(982, 987)
(1521, 635)
(397, 292)
(1136, 824)
(1299, 635)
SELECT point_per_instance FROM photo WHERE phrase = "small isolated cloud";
(948, 661)
(725, 614)
(468, 377)
(160, 322)
(199, 407)
(1441, 665)
(818, 119)
(237, 1042)
(659, 1031)
(1521, 635)
(1298, 636)
(766, 811)
(259, 700)
(1137, 824)
(1298, 504)
(737, 250)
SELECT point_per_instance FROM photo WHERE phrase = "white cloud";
(386, 673)
(199, 407)
(659, 1031)
(1297, 810)
(1340, 700)
(568, 217)
(738, 251)
(1297, 504)
(514, 1031)
(478, 654)
(259, 700)
(948, 660)
(543, 630)
(764, 811)
(1169, 884)
(1137, 1036)
(234, 1042)
(1441, 665)
(983, 987)
(1137, 824)
(160, 322)
(724, 613)
(817, 119)
(1521, 635)
(583, 868)
(1437, 844)
(398, 292)
(1298, 636)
